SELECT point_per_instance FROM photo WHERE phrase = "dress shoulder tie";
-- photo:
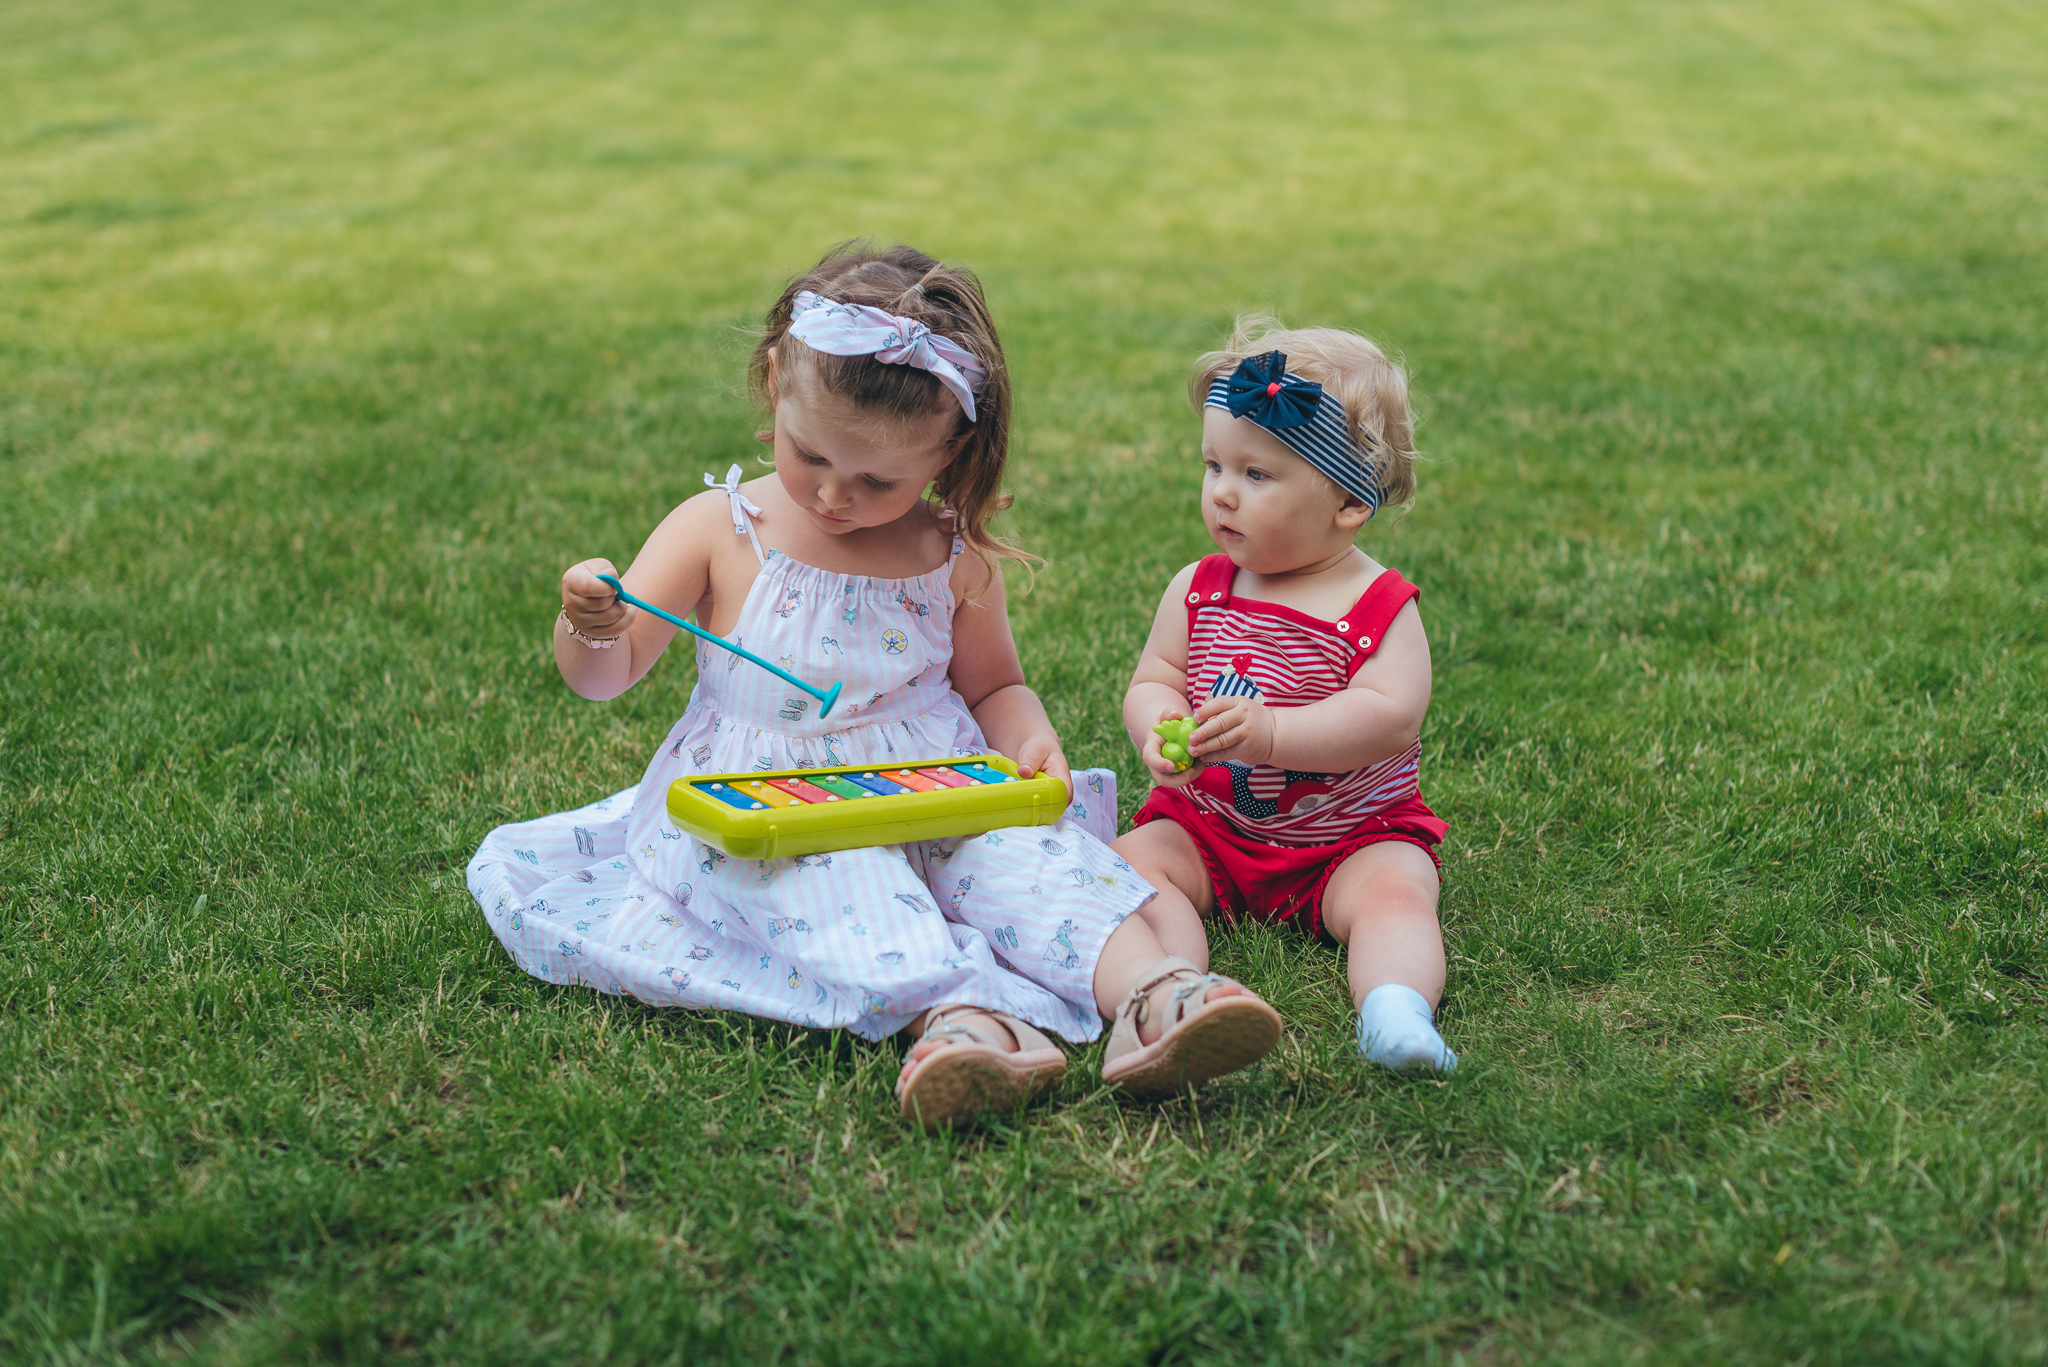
(744, 509)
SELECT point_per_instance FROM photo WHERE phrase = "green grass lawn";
(329, 335)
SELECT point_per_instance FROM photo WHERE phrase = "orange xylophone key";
(914, 778)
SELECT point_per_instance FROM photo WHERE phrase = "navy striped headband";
(1297, 411)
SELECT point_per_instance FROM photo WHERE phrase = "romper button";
(1215, 597)
(1194, 598)
(1364, 642)
(1343, 626)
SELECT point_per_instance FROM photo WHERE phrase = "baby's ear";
(1355, 513)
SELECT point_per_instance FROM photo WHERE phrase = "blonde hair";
(946, 299)
(1373, 389)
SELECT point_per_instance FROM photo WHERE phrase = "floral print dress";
(613, 896)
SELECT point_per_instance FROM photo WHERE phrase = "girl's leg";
(1165, 856)
(1221, 1026)
(1380, 905)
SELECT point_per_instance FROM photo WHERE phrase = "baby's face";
(848, 469)
(1266, 508)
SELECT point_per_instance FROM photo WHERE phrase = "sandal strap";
(1140, 1000)
(940, 1025)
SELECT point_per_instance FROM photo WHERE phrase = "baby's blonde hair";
(1351, 368)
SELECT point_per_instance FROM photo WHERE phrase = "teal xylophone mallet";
(826, 697)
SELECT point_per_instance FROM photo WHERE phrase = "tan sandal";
(971, 1072)
(1203, 1038)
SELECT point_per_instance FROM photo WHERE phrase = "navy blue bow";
(1263, 391)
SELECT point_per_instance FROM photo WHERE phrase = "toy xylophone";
(812, 811)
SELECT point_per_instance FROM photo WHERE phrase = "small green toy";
(1173, 741)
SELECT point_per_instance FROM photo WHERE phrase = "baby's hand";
(593, 607)
(1170, 767)
(1238, 729)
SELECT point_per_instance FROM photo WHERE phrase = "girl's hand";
(1238, 729)
(590, 602)
(1163, 771)
(1041, 755)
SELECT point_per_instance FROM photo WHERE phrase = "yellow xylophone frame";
(816, 828)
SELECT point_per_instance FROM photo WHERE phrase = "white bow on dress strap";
(744, 509)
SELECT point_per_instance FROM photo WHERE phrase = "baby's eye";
(1212, 467)
(1255, 475)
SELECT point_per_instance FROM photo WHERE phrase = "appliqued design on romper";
(1231, 781)
(1236, 682)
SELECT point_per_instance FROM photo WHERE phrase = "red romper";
(1272, 837)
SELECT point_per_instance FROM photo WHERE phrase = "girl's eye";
(807, 458)
(878, 484)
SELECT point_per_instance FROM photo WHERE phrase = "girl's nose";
(836, 495)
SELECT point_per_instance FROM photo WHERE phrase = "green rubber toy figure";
(1173, 736)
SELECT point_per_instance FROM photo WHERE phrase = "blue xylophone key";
(875, 783)
(982, 773)
(732, 797)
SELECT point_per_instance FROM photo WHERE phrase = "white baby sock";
(1397, 1030)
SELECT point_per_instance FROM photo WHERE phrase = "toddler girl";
(885, 379)
(1305, 662)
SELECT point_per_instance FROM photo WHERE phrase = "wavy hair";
(949, 301)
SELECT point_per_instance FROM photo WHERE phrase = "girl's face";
(1266, 508)
(848, 469)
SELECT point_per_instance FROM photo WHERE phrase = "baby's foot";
(1397, 1030)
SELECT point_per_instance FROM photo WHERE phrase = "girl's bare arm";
(672, 571)
(989, 678)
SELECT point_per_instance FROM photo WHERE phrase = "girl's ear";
(771, 377)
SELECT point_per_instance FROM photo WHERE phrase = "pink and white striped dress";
(615, 897)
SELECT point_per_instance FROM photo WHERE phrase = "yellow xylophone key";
(768, 793)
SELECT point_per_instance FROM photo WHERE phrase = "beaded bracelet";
(593, 642)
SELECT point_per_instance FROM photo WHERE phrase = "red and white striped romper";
(1272, 837)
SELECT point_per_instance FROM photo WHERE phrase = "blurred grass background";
(329, 335)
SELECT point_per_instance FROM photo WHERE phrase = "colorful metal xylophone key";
(811, 811)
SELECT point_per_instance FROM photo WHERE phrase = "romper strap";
(744, 509)
(1367, 622)
(1211, 585)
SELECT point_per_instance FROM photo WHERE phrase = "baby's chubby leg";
(1380, 905)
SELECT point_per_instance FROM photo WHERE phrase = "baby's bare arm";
(1159, 685)
(672, 571)
(1376, 718)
